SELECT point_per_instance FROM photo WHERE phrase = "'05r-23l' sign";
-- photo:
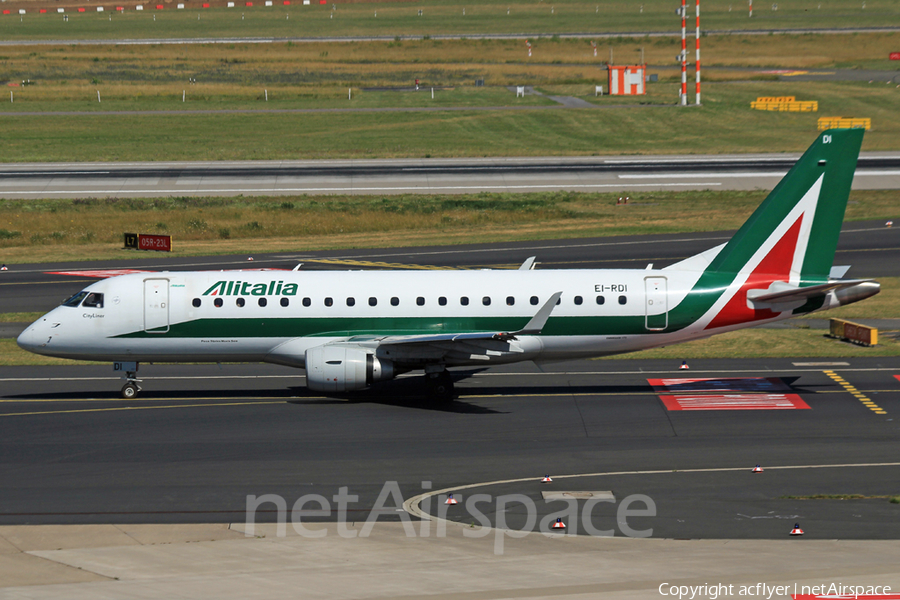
(144, 241)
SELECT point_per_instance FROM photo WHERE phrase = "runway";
(202, 438)
(877, 170)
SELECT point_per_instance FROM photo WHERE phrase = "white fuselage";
(275, 316)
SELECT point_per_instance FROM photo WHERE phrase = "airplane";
(350, 329)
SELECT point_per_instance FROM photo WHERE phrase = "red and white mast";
(698, 52)
(683, 55)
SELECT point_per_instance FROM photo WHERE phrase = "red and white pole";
(698, 52)
(751, 7)
(683, 55)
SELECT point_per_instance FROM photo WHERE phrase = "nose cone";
(27, 340)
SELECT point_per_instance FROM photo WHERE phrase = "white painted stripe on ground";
(474, 376)
(419, 188)
(735, 175)
(412, 505)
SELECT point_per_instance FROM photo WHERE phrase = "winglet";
(537, 322)
(528, 265)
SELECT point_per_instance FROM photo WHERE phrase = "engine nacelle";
(343, 368)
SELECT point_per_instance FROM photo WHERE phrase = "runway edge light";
(546, 479)
(796, 530)
(3, 268)
(450, 500)
(684, 365)
(559, 524)
(757, 469)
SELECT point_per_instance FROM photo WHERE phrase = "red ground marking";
(897, 377)
(725, 384)
(734, 402)
(101, 273)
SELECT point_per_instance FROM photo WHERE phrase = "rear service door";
(657, 316)
(156, 305)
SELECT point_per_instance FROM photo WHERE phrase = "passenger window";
(196, 302)
(94, 300)
(263, 301)
(285, 301)
(486, 300)
(578, 300)
(329, 302)
(464, 301)
(395, 301)
(373, 302)
(306, 302)
(217, 302)
(601, 300)
(240, 302)
(622, 299)
(534, 300)
(420, 301)
(442, 301)
(75, 300)
(510, 301)
(351, 301)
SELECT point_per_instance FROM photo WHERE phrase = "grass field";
(724, 124)
(85, 229)
(438, 17)
(67, 78)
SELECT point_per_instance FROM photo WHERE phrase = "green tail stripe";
(834, 153)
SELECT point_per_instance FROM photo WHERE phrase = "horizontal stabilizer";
(837, 272)
(785, 292)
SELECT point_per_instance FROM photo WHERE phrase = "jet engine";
(344, 368)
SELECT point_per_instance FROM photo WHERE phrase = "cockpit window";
(75, 300)
(94, 300)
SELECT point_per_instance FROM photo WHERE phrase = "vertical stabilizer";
(799, 222)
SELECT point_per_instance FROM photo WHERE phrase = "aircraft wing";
(533, 327)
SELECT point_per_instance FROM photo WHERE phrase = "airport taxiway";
(201, 438)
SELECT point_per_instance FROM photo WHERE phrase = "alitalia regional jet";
(351, 329)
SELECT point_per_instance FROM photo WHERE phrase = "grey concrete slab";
(390, 563)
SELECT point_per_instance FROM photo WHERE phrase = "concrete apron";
(219, 561)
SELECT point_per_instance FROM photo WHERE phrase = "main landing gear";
(440, 386)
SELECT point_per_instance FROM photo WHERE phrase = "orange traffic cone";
(796, 530)
(451, 500)
(546, 479)
(757, 469)
(684, 365)
(559, 524)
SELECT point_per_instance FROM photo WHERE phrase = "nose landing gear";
(131, 387)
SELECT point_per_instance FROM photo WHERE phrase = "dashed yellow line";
(865, 400)
(122, 408)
